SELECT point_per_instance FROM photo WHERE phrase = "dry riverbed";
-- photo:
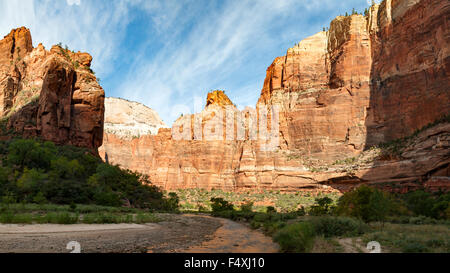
(176, 233)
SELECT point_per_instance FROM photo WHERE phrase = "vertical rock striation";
(50, 94)
(368, 80)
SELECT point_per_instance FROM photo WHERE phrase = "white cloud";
(187, 47)
(73, 2)
(219, 44)
(95, 27)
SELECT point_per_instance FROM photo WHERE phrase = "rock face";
(51, 94)
(410, 72)
(130, 119)
(368, 80)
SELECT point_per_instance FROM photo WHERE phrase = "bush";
(323, 206)
(414, 247)
(30, 153)
(301, 211)
(219, 204)
(425, 204)
(367, 203)
(40, 172)
(338, 226)
(419, 202)
(107, 199)
(272, 227)
(247, 207)
(173, 202)
(297, 238)
(39, 198)
(29, 184)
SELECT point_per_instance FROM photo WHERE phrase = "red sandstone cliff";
(369, 79)
(51, 94)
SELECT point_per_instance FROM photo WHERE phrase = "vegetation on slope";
(192, 200)
(365, 213)
(33, 171)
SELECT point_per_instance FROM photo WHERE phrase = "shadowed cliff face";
(410, 89)
(368, 80)
(410, 72)
(50, 94)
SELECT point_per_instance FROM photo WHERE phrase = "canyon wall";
(410, 72)
(367, 80)
(52, 94)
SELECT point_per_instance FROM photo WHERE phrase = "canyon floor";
(176, 233)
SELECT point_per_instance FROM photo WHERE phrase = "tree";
(366, 203)
(31, 154)
(366, 12)
(219, 204)
(323, 206)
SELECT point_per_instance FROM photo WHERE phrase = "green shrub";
(426, 204)
(219, 204)
(142, 218)
(272, 227)
(421, 220)
(173, 202)
(33, 171)
(414, 247)
(419, 202)
(262, 217)
(247, 207)
(29, 184)
(255, 224)
(39, 198)
(100, 218)
(367, 203)
(301, 211)
(329, 226)
(103, 198)
(63, 168)
(297, 238)
(30, 153)
(323, 206)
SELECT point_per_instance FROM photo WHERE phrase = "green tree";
(322, 206)
(31, 154)
(30, 183)
(366, 203)
(420, 202)
(62, 168)
(219, 204)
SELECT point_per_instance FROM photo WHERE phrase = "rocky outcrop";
(218, 97)
(368, 80)
(50, 94)
(128, 119)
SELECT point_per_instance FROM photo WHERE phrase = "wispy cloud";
(82, 25)
(223, 43)
(73, 2)
(168, 52)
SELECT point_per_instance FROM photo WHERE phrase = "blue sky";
(168, 54)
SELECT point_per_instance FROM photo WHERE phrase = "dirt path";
(177, 233)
